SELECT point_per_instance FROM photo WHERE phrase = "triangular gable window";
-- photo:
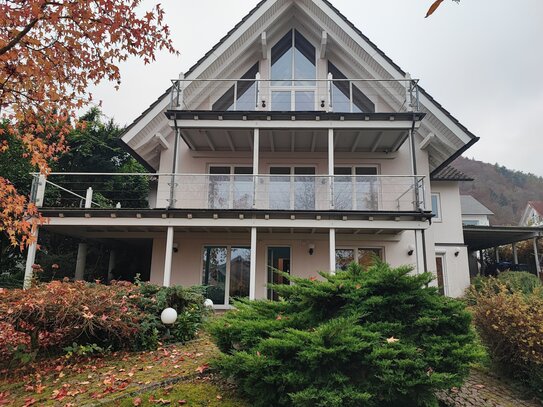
(341, 99)
(246, 94)
(293, 73)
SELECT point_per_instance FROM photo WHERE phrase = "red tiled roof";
(537, 205)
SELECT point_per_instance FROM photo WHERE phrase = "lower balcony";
(364, 193)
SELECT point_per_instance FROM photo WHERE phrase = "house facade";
(474, 213)
(533, 214)
(294, 144)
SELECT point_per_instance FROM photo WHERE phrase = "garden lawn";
(172, 375)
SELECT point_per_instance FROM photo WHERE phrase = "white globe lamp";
(168, 316)
(208, 303)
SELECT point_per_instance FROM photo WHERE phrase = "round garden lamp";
(168, 318)
(208, 303)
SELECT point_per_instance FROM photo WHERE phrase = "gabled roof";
(537, 205)
(471, 206)
(449, 173)
(424, 94)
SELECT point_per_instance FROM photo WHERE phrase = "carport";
(479, 238)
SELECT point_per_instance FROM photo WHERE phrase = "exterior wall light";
(456, 252)
(175, 247)
(410, 250)
(311, 249)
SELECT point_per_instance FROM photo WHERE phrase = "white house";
(474, 213)
(533, 214)
(294, 144)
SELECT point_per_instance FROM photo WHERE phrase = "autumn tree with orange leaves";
(51, 51)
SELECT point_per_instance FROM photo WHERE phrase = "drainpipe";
(417, 192)
(174, 166)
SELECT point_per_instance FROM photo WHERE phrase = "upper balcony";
(366, 115)
(331, 95)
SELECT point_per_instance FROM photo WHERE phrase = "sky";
(481, 59)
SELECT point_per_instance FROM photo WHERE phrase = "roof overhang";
(294, 131)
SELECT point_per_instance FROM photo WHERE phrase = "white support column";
(30, 261)
(252, 270)
(256, 163)
(111, 265)
(40, 190)
(168, 257)
(515, 253)
(81, 261)
(331, 166)
(88, 198)
(497, 253)
(332, 251)
(536, 255)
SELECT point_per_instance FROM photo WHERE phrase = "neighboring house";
(533, 214)
(474, 213)
(296, 145)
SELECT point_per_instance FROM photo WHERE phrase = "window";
(230, 187)
(292, 188)
(436, 207)
(242, 96)
(470, 222)
(356, 188)
(225, 266)
(343, 93)
(364, 256)
(293, 73)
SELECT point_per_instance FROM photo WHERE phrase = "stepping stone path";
(483, 390)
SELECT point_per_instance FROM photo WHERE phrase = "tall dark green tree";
(96, 149)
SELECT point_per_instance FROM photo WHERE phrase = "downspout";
(174, 165)
(417, 192)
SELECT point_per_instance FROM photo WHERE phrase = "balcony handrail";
(167, 174)
(179, 85)
(296, 80)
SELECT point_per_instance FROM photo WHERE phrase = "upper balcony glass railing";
(372, 193)
(327, 95)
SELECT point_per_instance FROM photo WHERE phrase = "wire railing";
(231, 192)
(330, 95)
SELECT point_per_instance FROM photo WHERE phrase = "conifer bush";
(375, 337)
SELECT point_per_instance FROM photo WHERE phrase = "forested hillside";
(505, 192)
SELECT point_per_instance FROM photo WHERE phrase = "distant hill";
(505, 192)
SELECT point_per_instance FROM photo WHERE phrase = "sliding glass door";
(226, 273)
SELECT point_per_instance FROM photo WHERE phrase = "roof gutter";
(455, 156)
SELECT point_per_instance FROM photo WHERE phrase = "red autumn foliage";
(50, 52)
(59, 313)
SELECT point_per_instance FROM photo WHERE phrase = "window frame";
(354, 183)
(357, 248)
(293, 87)
(439, 215)
(292, 182)
(227, 276)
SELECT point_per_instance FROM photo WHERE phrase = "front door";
(440, 274)
(278, 259)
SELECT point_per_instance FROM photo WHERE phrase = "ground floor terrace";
(235, 254)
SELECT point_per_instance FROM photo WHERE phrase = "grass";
(119, 378)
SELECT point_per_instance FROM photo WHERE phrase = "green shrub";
(373, 338)
(520, 281)
(510, 324)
